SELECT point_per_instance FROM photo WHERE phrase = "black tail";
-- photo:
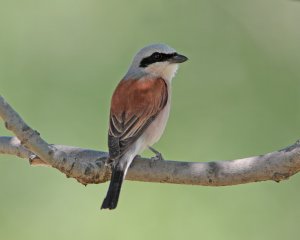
(112, 196)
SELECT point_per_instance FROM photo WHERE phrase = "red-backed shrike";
(139, 111)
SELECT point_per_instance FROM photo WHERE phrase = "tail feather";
(112, 196)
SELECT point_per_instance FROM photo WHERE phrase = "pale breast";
(156, 128)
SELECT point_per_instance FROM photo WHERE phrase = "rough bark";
(89, 166)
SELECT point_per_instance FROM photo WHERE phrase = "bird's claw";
(157, 157)
(108, 163)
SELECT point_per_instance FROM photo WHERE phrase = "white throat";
(165, 70)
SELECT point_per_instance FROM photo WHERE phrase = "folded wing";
(135, 104)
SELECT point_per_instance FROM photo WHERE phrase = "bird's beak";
(178, 59)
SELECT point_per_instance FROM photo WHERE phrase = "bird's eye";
(157, 56)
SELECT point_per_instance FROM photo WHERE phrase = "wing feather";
(134, 106)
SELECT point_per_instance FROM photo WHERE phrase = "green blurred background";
(237, 96)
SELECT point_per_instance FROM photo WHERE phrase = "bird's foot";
(158, 156)
(108, 163)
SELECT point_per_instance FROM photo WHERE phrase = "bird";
(139, 111)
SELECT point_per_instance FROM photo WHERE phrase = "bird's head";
(158, 60)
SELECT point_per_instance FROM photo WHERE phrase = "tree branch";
(89, 166)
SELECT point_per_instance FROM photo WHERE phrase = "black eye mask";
(156, 57)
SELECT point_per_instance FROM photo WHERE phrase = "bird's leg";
(109, 162)
(158, 155)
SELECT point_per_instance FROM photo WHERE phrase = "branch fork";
(89, 166)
